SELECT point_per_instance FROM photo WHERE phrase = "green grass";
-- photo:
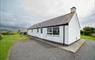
(7, 42)
(87, 37)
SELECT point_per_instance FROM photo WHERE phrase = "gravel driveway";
(36, 50)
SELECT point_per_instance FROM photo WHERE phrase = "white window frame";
(52, 31)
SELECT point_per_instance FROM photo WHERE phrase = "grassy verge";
(7, 42)
(87, 37)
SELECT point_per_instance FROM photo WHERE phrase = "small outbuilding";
(63, 29)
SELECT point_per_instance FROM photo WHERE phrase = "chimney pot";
(73, 9)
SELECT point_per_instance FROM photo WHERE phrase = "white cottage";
(62, 29)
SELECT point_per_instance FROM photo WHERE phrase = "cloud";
(58, 7)
(88, 20)
(14, 20)
(29, 12)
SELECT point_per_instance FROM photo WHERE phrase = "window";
(49, 30)
(41, 30)
(32, 30)
(53, 30)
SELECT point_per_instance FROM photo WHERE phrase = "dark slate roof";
(60, 20)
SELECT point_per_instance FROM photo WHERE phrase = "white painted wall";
(44, 35)
(66, 34)
(74, 30)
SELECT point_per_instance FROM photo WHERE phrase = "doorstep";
(73, 47)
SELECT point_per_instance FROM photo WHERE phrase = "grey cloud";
(28, 12)
(88, 20)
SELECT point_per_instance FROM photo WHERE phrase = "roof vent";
(73, 9)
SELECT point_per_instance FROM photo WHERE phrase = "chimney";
(73, 9)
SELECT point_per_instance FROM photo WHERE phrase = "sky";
(24, 13)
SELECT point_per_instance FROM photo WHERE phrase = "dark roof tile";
(64, 19)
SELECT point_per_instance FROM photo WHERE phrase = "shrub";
(8, 33)
(81, 31)
(88, 30)
(1, 36)
(23, 33)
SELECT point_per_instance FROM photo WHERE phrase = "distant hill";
(10, 28)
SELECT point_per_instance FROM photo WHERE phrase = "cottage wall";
(44, 35)
(74, 29)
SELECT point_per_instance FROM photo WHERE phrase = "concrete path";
(74, 47)
(37, 50)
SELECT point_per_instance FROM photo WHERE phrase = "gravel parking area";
(37, 50)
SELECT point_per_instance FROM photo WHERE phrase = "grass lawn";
(7, 42)
(87, 37)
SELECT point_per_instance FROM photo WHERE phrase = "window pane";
(32, 30)
(56, 30)
(49, 30)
